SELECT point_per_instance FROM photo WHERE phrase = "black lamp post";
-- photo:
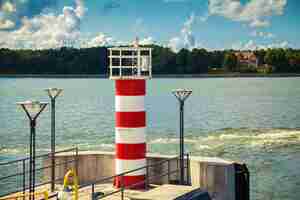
(181, 95)
(32, 109)
(53, 93)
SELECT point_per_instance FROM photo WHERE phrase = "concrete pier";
(213, 174)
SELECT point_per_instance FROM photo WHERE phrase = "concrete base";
(213, 174)
(165, 192)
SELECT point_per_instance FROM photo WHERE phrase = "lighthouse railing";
(148, 177)
(14, 174)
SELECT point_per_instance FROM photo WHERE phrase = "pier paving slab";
(165, 192)
(85, 193)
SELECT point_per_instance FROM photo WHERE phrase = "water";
(253, 120)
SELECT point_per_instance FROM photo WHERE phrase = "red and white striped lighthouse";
(130, 67)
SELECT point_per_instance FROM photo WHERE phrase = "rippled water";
(249, 120)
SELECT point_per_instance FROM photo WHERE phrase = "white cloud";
(186, 39)
(147, 41)
(253, 12)
(100, 40)
(175, 44)
(237, 46)
(283, 44)
(46, 30)
(9, 7)
(104, 40)
(187, 34)
(259, 23)
(80, 9)
(251, 45)
(262, 34)
(6, 24)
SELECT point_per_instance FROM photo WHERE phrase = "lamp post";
(181, 95)
(53, 93)
(32, 109)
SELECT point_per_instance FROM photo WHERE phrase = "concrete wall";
(214, 174)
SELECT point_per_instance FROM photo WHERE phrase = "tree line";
(53, 61)
(67, 60)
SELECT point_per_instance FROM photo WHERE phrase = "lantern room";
(130, 63)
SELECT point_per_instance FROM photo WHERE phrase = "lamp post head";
(32, 108)
(182, 94)
(54, 92)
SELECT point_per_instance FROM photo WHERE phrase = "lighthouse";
(130, 67)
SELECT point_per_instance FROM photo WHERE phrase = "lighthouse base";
(132, 182)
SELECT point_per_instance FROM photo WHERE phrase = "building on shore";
(247, 58)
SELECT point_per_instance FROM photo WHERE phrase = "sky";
(210, 24)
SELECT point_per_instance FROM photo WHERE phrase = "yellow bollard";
(46, 195)
(71, 194)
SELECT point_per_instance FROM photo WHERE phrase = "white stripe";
(128, 165)
(129, 103)
(130, 135)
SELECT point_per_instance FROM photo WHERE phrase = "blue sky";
(211, 24)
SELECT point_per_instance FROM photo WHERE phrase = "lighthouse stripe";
(130, 131)
(130, 135)
(131, 87)
(137, 181)
(131, 151)
(131, 119)
(128, 165)
(129, 103)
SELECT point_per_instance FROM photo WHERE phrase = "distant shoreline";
(103, 76)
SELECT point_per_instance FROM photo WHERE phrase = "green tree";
(182, 61)
(278, 59)
(230, 62)
(198, 61)
(163, 60)
(260, 55)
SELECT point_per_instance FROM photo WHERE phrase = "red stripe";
(130, 119)
(130, 180)
(131, 151)
(131, 87)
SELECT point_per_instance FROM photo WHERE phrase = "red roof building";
(247, 58)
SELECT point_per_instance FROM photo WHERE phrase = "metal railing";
(11, 183)
(148, 177)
